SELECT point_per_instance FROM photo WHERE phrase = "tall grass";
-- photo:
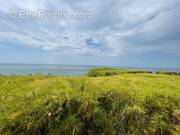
(110, 114)
(126, 104)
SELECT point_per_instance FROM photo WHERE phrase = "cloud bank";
(119, 28)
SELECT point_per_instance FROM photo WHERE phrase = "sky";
(125, 33)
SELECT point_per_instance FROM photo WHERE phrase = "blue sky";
(135, 33)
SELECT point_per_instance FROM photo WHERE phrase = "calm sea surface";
(25, 69)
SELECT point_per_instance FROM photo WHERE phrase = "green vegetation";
(168, 73)
(113, 71)
(126, 104)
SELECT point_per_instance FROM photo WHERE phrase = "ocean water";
(67, 70)
(25, 69)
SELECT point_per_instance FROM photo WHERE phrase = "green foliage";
(110, 71)
(168, 73)
(106, 116)
(126, 104)
(160, 113)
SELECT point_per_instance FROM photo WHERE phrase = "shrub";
(167, 73)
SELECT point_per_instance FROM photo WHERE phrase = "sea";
(64, 70)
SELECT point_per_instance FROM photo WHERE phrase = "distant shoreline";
(113, 66)
(67, 70)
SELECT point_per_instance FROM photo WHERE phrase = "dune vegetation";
(113, 71)
(168, 73)
(127, 103)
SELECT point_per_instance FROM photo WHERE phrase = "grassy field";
(123, 104)
(113, 71)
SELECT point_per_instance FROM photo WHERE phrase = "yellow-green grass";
(113, 71)
(19, 94)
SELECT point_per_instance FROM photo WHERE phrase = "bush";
(167, 73)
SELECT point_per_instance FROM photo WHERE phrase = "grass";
(123, 104)
(113, 71)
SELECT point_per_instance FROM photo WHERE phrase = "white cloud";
(120, 27)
